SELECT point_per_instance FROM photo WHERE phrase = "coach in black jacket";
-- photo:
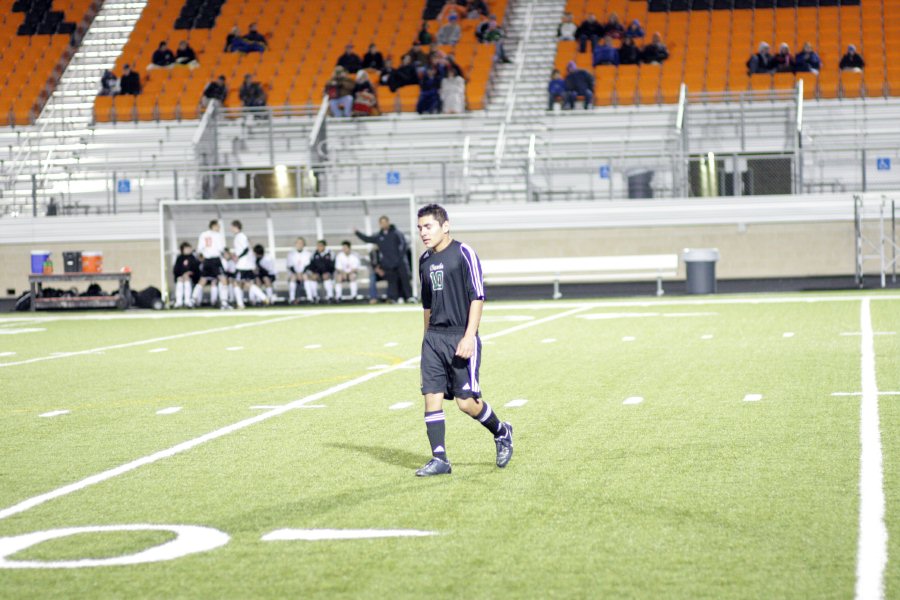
(392, 246)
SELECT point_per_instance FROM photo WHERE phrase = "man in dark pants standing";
(392, 246)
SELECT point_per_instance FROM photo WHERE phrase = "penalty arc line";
(871, 556)
(176, 336)
(229, 429)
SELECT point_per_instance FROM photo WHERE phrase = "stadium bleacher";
(35, 45)
(709, 47)
(304, 42)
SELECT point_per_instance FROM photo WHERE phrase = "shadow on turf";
(398, 458)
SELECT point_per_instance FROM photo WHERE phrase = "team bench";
(580, 269)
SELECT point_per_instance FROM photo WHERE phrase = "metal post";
(235, 192)
(271, 143)
(865, 186)
(33, 198)
(359, 180)
(737, 177)
(444, 182)
(175, 182)
(115, 192)
(141, 192)
(857, 230)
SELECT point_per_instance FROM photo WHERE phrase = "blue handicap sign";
(123, 186)
(604, 171)
(883, 164)
(393, 177)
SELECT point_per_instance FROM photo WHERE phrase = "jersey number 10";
(437, 280)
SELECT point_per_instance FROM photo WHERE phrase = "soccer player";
(321, 269)
(297, 261)
(453, 298)
(346, 265)
(211, 245)
(229, 267)
(246, 262)
(186, 271)
(265, 272)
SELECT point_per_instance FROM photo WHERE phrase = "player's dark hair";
(185, 245)
(434, 210)
(385, 217)
(346, 243)
(213, 223)
(258, 249)
(323, 242)
(237, 224)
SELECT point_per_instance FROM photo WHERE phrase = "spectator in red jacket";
(614, 28)
(784, 62)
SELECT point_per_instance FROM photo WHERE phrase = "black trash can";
(72, 262)
(701, 269)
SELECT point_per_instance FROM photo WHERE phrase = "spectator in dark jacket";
(186, 55)
(429, 92)
(556, 90)
(762, 61)
(130, 82)
(655, 52)
(393, 260)
(605, 53)
(476, 8)
(162, 58)
(590, 30)
(252, 93)
(424, 38)
(215, 90)
(852, 61)
(256, 39)
(783, 61)
(416, 56)
(635, 30)
(402, 76)
(614, 28)
(494, 34)
(578, 83)
(373, 59)
(807, 61)
(109, 84)
(349, 60)
(629, 53)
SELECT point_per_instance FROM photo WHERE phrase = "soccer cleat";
(435, 466)
(504, 446)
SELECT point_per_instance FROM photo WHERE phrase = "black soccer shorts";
(445, 373)
(246, 275)
(211, 268)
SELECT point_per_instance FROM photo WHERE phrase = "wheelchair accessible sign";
(883, 164)
(393, 177)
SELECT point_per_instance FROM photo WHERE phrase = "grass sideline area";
(678, 448)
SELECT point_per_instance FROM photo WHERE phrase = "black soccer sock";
(434, 425)
(488, 418)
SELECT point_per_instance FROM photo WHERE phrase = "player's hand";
(466, 347)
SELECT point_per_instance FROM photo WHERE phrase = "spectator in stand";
(629, 53)
(762, 61)
(130, 83)
(453, 93)
(349, 61)
(373, 59)
(251, 93)
(567, 28)
(578, 83)
(450, 64)
(852, 61)
(494, 34)
(605, 53)
(162, 58)
(452, 7)
(416, 56)
(424, 38)
(449, 34)
(215, 90)
(339, 90)
(807, 61)
(556, 90)
(634, 30)
(614, 28)
(186, 56)
(429, 92)
(109, 84)
(365, 102)
(256, 40)
(402, 76)
(233, 35)
(655, 52)
(783, 61)
(590, 30)
(476, 9)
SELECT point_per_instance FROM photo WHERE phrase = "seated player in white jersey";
(297, 261)
(229, 267)
(246, 265)
(265, 272)
(186, 271)
(210, 246)
(321, 269)
(346, 266)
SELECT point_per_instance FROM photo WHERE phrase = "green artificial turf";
(691, 493)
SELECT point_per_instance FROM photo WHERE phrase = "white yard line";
(157, 340)
(54, 413)
(169, 411)
(213, 435)
(871, 556)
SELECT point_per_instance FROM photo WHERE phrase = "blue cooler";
(38, 258)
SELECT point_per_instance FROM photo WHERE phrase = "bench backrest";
(580, 264)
